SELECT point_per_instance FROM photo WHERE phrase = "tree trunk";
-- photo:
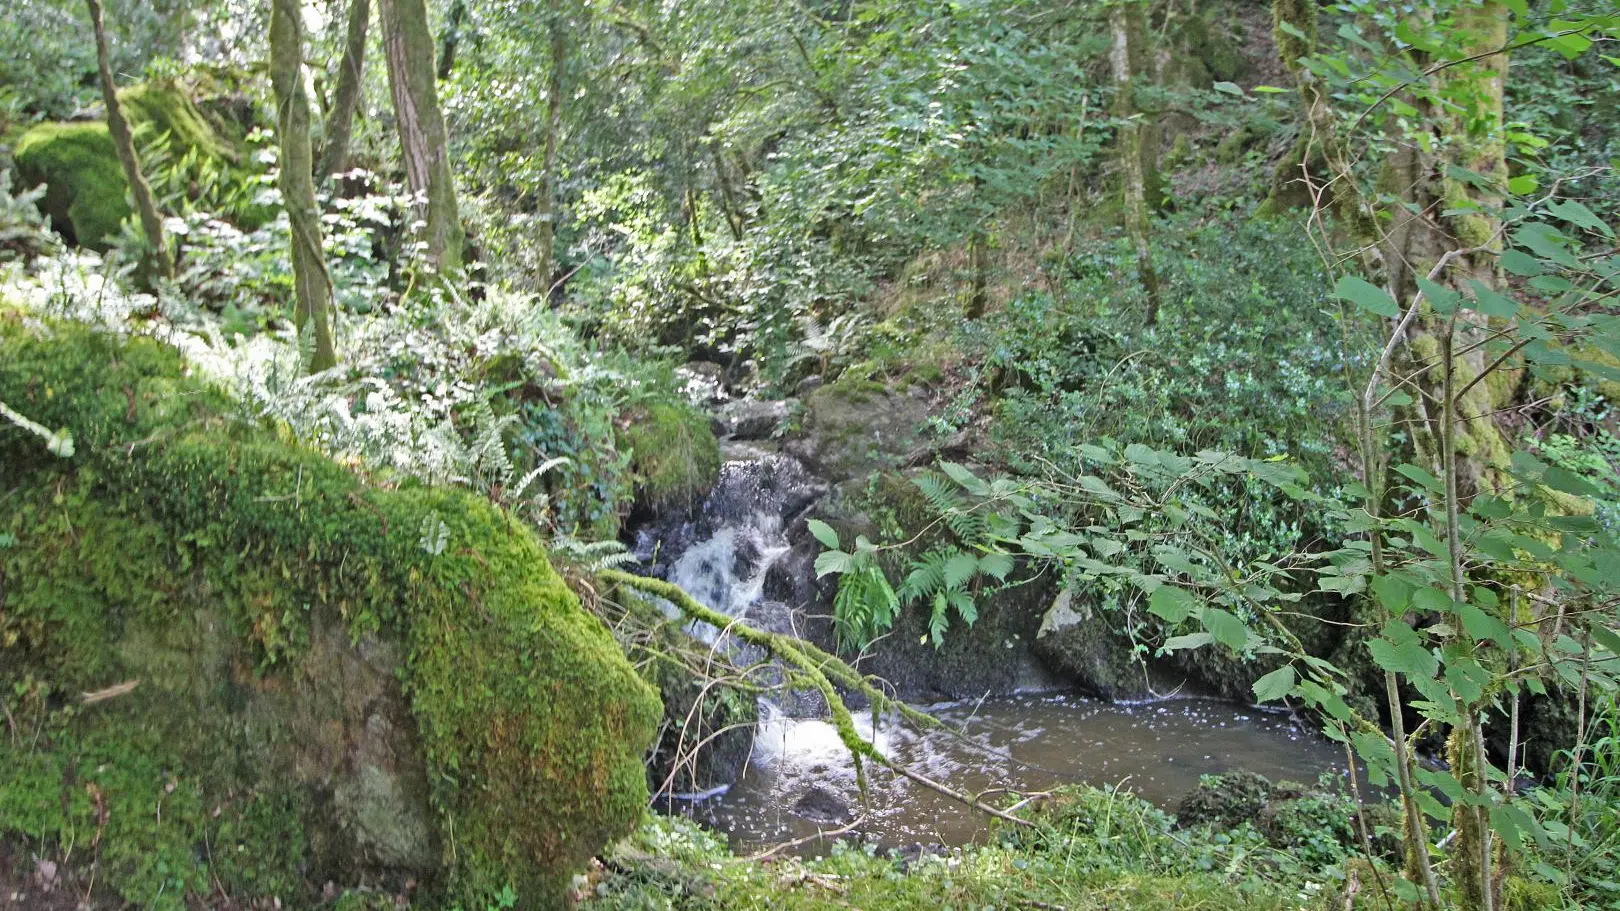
(547, 209)
(340, 125)
(408, 49)
(452, 37)
(1138, 143)
(311, 282)
(124, 142)
(1456, 215)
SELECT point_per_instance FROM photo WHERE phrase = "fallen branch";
(820, 670)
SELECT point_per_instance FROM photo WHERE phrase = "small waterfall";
(721, 554)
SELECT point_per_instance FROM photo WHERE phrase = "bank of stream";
(799, 784)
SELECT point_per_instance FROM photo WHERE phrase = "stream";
(799, 780)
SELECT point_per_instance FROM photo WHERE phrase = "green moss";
(208, 558)
(673, 453)
(85, 198)
(161, 107)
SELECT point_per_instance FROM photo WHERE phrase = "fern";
(946, 500)
(865, 606)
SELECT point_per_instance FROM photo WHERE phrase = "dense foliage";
(1280, 337)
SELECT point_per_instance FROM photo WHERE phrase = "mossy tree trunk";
(1457, 220)
(555, 88)
(1444, 241)
(340, 124)
(1314, 174)
(124, 142)
(454, 22)
(408, 50)
(310, 279)
(1138, 141)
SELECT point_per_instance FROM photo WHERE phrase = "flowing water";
(799, 780)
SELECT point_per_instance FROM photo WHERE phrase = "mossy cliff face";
(86, 191)
(321, 696)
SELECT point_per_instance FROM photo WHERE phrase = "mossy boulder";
(87, 192)
(1084, 646)
(673, 454)
(855, 426)
(249, 670)
(85, 185)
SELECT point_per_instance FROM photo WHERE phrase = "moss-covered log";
(269, 608)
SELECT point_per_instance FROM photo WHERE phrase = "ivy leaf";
(1172, 604)
(824, 533)
(1275, 685)
(1366, 295)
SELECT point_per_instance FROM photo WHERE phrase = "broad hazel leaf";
(1189, 641)
(1226, 628)
(824, 533)
(833, 561)
(1172, 604)
(1366, 295)
(1275, 685)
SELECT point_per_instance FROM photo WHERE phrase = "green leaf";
(1523, 185)
(1606, 637)
(996, 565)
(1230, 88)
(1366, 295)
(1492, 302)
(1269, 90)
(1172, 604)
(1520, 263)
(1579, 215)
(1191, 640)
(1227, 629)
(824, 533)
(1428, 481)
(1400, 650)
(959, 569)
(1275, 685)
(1393, 593)
(833, 561)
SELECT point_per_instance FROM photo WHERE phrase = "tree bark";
(124, 142)
(547, 208)
(1138, 143)
(452, 38)
(311, 282)
(408, 49)
(340, 125)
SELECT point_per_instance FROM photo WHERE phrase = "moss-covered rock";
(85, 185)
(1080, 643)
(673, 453)
(855, 426)
(331, 681)
(86, 195)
